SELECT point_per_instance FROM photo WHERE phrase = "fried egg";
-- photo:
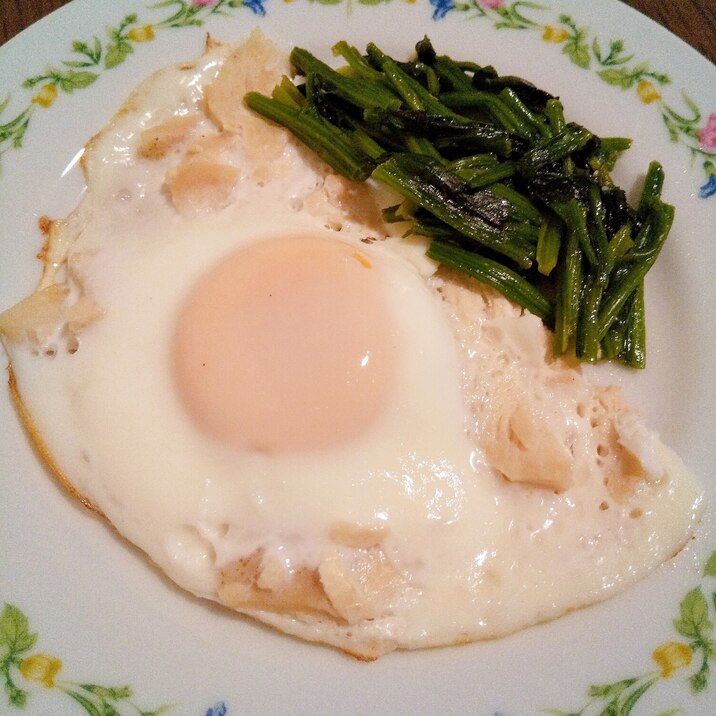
(296, 414)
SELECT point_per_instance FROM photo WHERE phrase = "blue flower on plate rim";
(256, 7)
(218, 709)
(442, 8)
(709, 188)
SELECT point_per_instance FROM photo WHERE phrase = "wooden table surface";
(692, 20)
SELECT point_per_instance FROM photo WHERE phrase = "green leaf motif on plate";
(119, 46)
(15, 635)
(614, 57)
(626, 78)
(92, 54)
(710, 566)
(617, 699)
(694, 620)
(575, 44)
(42, 670)
(67, 81)
(511, 16)
(693, 623)
(15, 639)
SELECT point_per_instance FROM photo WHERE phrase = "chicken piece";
(360, 584)
(524, 449)
(622, 444)
(256, 65)
(259, 582)
(157, 141)
(197, 186)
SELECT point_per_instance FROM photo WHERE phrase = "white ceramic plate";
(92, 627)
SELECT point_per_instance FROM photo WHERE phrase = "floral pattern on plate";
(39, 669)
(695, 655)
(613, 63)
(42, 670)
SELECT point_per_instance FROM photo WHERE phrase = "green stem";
(329, 142)
(494, 274)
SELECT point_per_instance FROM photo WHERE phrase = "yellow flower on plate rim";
(672, 656)
(647, 92)
(145, 33)
(554, 34)
(41, 668)
(46, 96)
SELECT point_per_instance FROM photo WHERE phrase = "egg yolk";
(286, 345)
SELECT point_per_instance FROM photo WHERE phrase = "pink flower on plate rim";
(205, 2)
(707, 134)
(491, 3)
